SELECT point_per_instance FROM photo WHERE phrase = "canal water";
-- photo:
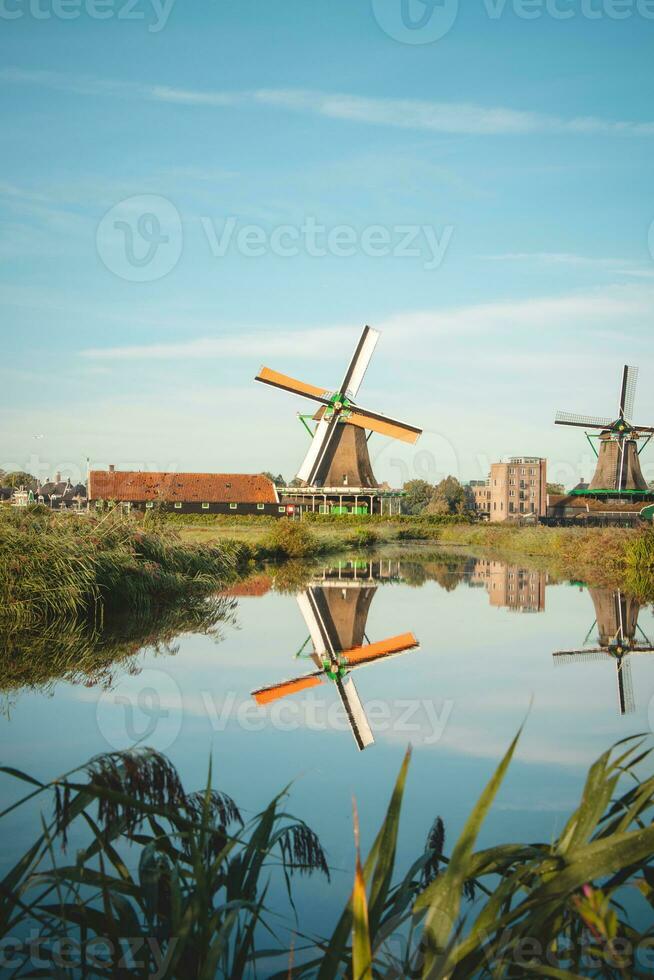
(320, 681)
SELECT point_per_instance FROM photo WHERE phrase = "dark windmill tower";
(616, 617)
(618, 471)
(337, 466)
(335, 611)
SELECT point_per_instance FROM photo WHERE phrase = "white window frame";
(261, 506)
(233, 506)
(178, 505)
(149, 504)
(281, 510)
(205, 506)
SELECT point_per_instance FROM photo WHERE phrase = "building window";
(205, 506)
(233, 506)
(260, 506)
(178, 505)
(282, 510)
(149, 504)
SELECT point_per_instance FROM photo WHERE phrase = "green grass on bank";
(612, 556)
(57, 565)
(78, 567)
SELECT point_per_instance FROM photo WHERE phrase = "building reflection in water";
(619, 637)
(510, 586)
(335, 607)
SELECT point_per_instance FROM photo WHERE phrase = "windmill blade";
(359, 363)
(267, 695)
(385, 426)
(324, 434)
(579, 656)
(319, 635)
(584, 421)
(626, 698)
(370, 652)
(355, 714)
(277, 380)
(643, 428)
(628, 393)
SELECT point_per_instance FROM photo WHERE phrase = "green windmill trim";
(338, 403)
(637, 494)
(336, 673)
(303, 420)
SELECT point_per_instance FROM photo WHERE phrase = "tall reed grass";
(183, 870)
(53, 565)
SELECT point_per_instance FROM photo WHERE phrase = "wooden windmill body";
(618, 470)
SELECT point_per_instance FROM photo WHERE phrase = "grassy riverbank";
(610, 556)
(86, 568)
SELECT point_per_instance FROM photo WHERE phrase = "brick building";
(202, 493)
(515, 488)
(511, 586)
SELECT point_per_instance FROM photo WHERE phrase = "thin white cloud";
(623, 267)
(596, 310)
(440, 117)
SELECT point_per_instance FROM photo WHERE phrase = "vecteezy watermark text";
(340, 241)
(154, 12)
(150, 708)
(417, 718)
(100, 952)
(426, 21)
(569, 9)
(141, 239)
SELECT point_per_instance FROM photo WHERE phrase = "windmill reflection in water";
(619, 636)
(335, 609)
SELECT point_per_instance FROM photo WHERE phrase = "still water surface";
(325, 686)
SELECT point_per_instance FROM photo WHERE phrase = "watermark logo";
(571, 9)
(145, 708)
(416, 21)
(153, 12)
(315, 240)
(432, 458)
(140, 239)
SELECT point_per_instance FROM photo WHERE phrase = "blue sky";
(511, 158)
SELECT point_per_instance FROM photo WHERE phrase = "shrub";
(363, 537)
(289, 539)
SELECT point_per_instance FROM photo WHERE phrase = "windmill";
(616, 617)
(618, 464)
(335, 612)
(338, 454)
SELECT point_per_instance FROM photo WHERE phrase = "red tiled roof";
(587, 504)
(257, 585)
(208, 488)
